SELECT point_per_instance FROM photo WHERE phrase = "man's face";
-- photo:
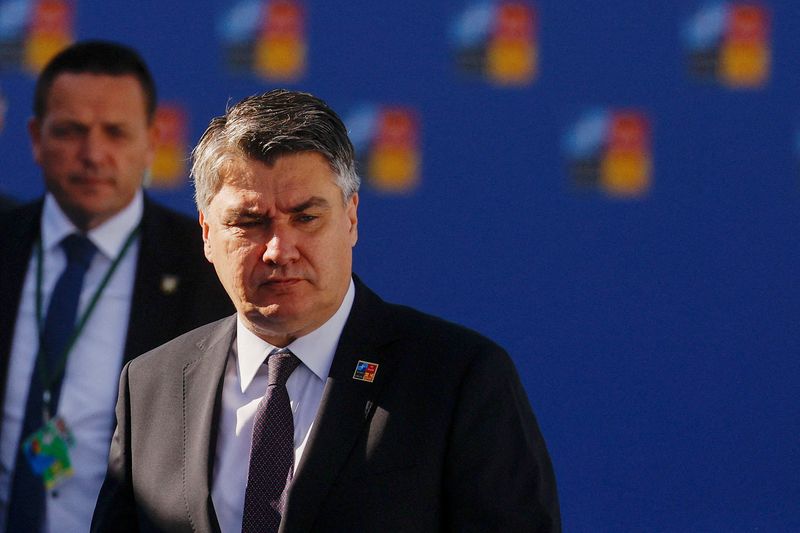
(93, 144)
(280, 238)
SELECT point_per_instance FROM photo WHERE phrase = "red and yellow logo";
(33, 31)
(266, 38)
(172, 148)
(745, 52)
(730, 43)
(387, 141)
(393, 163)
(625, 169)
(610, 150)
(498, 41)
(281, 47)
(512, 53)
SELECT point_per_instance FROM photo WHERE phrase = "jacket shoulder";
(435, 331)
(176, 224)
(188, 347)
(20, 216)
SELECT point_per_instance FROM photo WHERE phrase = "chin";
(268, 317)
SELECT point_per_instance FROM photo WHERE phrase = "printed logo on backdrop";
(33, 31)
(609, 150)
(729, 43)
(497, 41)
(172, 147)
(266, 38)
(387, 144)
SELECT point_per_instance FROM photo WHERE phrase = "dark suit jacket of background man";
(403, 453)
(6, 202)
(170, 244)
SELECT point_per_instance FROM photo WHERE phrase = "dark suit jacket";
(6, 202)
(443, 439)
(170, 244)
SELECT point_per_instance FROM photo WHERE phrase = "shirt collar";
(315, 350)
(109, 237)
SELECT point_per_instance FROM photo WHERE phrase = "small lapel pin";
(365, 371)
(169, 283)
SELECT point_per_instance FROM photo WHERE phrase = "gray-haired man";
(389, 420)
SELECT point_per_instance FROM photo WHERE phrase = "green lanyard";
(49, 380)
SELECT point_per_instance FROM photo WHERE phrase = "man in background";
(318, 406)
(92, 275)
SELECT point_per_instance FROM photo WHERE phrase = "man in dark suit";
(92, 134)
(318, 406)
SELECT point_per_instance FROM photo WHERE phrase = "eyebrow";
(314, 201)
(243, 213)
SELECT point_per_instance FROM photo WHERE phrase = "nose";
(281, 247)
(93, 147)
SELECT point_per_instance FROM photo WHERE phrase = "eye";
(67, 131)
(305, 218)
(116, 132)
(245, 223)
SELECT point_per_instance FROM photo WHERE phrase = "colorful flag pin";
(365, 371)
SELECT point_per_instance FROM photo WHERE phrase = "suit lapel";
(347, 404)
(151, 312)
(202, 386)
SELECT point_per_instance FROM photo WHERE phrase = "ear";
(35, 133)
(206, 242)
(351, 209)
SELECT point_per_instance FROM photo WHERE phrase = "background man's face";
(281, 239)
(94, 144)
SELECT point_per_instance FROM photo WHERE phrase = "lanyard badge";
(47, 449)
(47, 452)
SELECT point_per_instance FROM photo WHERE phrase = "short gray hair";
(266, 126)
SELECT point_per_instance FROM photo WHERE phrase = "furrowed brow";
(243, 213)
(314, 201)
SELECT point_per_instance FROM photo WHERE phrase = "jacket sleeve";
(498, 474)
(115, 510)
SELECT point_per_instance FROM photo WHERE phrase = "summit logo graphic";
(497, 41)
(729, 43)
(33, 31)
(386, 140)
(266, 38)
(609, 150)
(172, 147)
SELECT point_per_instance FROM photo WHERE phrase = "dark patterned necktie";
(27, 503)
(272, 450)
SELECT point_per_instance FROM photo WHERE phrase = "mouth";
(90, 181)
(281, 283)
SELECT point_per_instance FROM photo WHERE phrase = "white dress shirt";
(244, 387)
(89, 389)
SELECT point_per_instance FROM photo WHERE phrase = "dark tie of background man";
(272, 449)
(26, 505)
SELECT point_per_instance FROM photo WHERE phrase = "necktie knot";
(280, 365)
(79, 249)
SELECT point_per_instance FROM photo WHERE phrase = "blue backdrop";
(655, 326)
